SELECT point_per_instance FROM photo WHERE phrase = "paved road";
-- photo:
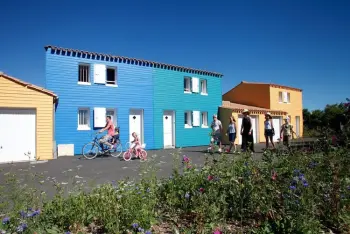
(101, 170)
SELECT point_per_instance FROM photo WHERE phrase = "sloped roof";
(273, 85)
(28, 85)
(138, 61)
(238, 108)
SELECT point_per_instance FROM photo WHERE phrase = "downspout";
(54, 127)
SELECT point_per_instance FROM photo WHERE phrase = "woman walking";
(247, 132)
(269, 130)
(231, 132)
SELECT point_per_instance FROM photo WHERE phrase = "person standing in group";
(247, 132)
(216, 127)
(269, 130)
(286, 132)
(232, 133)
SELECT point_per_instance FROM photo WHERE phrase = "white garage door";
(255, 128)
(277, 123)
(17, 135)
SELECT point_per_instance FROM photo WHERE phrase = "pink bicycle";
(140, 153)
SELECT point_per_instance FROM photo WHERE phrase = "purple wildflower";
(187, 195)
(140, 229)
(348, 187)
(292, 187)
(67, 233)
(135, 225)
(148, 190)
(6, 220)
(148, 232)
(305, 184)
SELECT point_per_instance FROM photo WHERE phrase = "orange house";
(260, 98)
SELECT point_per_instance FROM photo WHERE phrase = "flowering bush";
(307, 192)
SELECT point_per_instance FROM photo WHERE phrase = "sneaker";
(220, 150)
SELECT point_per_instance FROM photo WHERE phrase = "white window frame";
(188, 123)
(204, 116)
(114, 116)
(88, 82)
(84, 126)
(280, 96)
(205, 84)
(115, 76)
(188, 88)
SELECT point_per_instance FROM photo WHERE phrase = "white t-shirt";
(215, 125)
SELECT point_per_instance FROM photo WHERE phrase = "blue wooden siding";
(169, 95)
(134, 91)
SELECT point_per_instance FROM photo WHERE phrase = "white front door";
(254, 127)
(276, 121)
(297, 125)
(17, 135)
(168, 129)
(136, 124)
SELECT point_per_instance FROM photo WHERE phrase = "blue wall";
(169, 95)
(134, 91)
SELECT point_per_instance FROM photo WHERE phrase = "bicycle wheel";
(143, 155)
(127, 155)
(92, 150)
(117, 150)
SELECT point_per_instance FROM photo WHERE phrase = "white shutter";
(99, 117)
(285, 97)
(100, 73)
(195, 85)
(196, 118)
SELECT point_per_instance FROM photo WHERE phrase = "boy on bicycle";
(115, 138)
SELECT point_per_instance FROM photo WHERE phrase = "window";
(204, 87)
(113, 115)
(84, 74)
(204, 119)
(188, 119)
(280, 98)
(83, 119)
(284, 97)
(187, 85)
(111, 76)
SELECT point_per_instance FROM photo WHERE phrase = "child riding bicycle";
(115, 138)
(135, 144)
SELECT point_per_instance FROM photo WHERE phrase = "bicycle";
(130, 152)
(97, 149)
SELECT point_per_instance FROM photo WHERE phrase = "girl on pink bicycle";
(135, 144)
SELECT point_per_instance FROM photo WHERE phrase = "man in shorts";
(110, 133)
(286, 132)
(216, 127)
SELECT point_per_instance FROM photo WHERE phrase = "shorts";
(268, 132)
(232, 137)
(286, 140)
(217, 138)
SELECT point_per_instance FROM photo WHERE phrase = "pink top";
(110, 128)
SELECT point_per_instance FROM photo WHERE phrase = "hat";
(268, 113)
(245, 111)
(215, 115)
(286, 118)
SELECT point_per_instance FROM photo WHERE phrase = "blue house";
(167, 105)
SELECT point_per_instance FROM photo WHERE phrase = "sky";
(298, 43)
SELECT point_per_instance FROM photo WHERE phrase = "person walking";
(287, 132)
(247, 132)
(269, 130)
(231, 132)
(216, 127)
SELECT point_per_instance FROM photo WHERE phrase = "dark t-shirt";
(247, 124)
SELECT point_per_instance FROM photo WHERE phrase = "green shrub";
(304, 192)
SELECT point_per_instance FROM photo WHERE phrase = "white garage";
(255, 121)
(17, 135)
